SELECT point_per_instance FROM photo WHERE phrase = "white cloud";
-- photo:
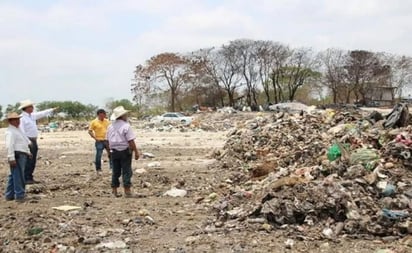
(200, 29)
(71, 49)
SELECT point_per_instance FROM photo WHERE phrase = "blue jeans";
(31, 163)
(15, 184)
(122, 166)
(100, 146)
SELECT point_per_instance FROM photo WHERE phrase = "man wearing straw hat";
(122, 146)
(17, 145)
(29, 127)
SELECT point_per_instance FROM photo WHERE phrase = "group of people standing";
(116, 137)
(22, 148)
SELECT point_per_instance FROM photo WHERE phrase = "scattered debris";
(141, 171)
(148, 155)
(174, 192)
(112, 245)
(67, 208)
(154, 165)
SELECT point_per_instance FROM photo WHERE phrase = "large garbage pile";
(320, 176)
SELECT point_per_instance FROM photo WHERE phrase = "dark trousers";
(122, 166)
(31, 163)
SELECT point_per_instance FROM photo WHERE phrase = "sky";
(86, 50)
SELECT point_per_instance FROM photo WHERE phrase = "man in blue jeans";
(97, 130)
(17, 145)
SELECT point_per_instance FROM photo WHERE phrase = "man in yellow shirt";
(97, 130)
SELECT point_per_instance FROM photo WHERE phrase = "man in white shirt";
(29, 128)
(17, 145)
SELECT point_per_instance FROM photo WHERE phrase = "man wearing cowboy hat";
(29, 127)
(122, 146)
(97, 130)
(17, 145)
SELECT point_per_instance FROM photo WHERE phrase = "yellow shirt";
(99, 127)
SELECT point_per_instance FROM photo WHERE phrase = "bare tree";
(363, 68)
(140, 86)
(298, 68)
(269, 57)
(221, 66)
(246, 60)
(204, 65)
(401, 71)
(281, 55)
(203, 83)
(333, 61)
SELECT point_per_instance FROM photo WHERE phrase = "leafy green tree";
(12, 108)
(73, 109)
(1, 112)
(126, 103)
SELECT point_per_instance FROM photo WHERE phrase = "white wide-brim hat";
(118, 112)
(13, 115)
(25, 103)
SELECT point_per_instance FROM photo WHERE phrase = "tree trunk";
(249, 97)
(254, 97)
(267, 95)
(173, 99)
(222, 99)
(275, 93)
(335, 96)
(348, 93)
(293, 93)
(231, 99)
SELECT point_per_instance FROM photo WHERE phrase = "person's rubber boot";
(115, 193)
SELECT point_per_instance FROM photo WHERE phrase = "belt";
(114, 150)
(19, 153)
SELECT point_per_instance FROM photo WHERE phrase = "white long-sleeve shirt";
(16, 141)
(28, 123)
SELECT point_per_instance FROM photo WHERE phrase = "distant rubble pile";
(64, 126)
(205, 121)
(319, 175)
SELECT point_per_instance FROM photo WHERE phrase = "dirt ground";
(150, 223)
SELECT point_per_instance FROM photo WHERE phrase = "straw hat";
(118, 112)
(13, 115)
(25, 103)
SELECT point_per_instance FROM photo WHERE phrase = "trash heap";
(208, 122)
(320, 176)
(56, 126)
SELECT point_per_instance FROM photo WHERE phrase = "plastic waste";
(399, 116)
(334, 153)
(53, 125)
(394, 214)
(174, 192)
(403, 139)
(34, 231)
(389, 190)
(364, 156)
